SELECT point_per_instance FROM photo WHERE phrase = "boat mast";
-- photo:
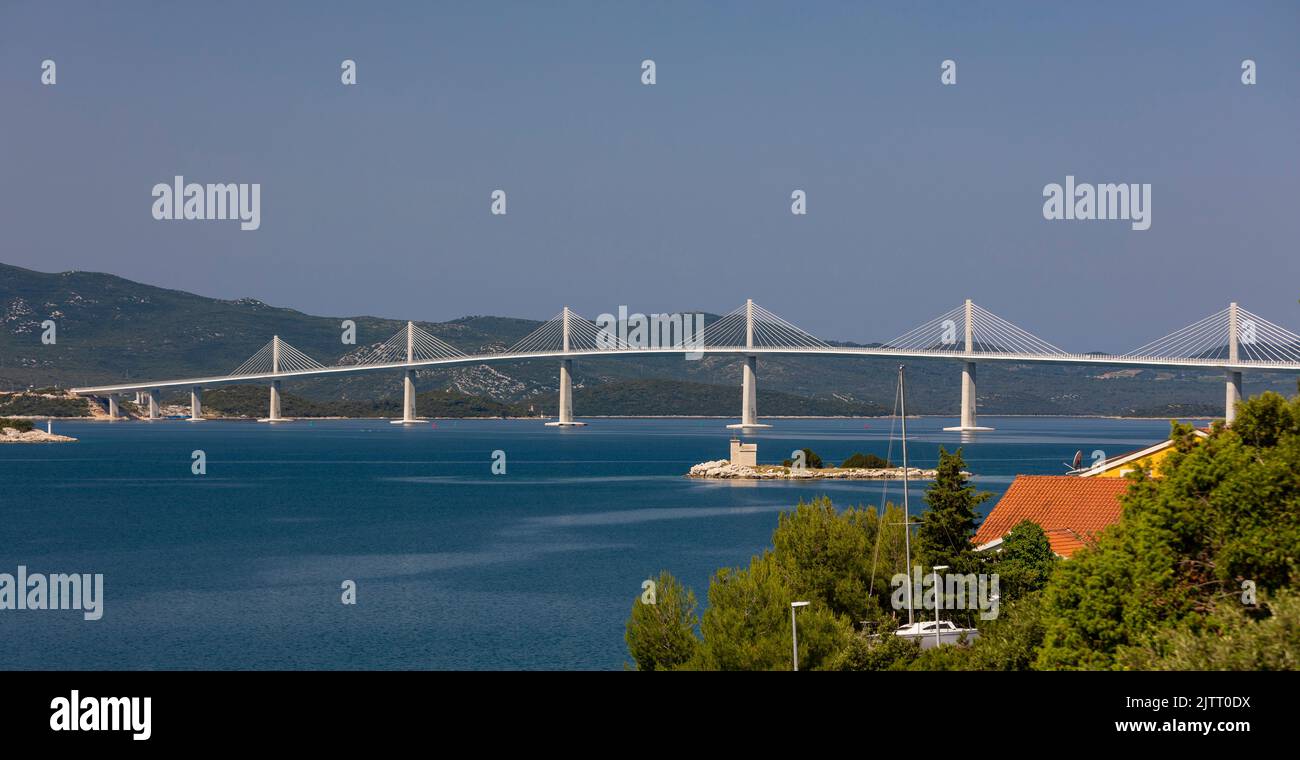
(907, 519)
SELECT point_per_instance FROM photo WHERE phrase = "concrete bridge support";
(565, 418)
(273, 414)
(749, 395)
(196, 404)
(1233, 397)
(155, 397)
(968, 403)
(408, 381)
(408, 399)
(113, 413)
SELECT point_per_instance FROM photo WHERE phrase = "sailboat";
(930, 633)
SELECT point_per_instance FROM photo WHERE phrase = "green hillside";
(112, 329)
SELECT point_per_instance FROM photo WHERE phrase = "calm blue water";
(455, 567)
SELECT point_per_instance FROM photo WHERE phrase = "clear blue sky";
(673, 197)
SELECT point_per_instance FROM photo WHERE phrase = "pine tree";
(944, 536)
(661, 630)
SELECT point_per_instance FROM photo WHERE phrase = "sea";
(465, 544)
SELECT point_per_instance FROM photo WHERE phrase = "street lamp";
(937, 603)
(794, 630)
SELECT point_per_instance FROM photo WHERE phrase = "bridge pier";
(1233, 397)
(565, 418)
(196, 404)
(968, 403)
(273, 414)
(113, 413)
(155, 396)
(408, 400)
(749, 395)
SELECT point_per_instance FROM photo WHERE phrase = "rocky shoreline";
(723, 469)
(11, 435)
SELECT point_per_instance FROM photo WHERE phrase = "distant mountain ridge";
(110, 329)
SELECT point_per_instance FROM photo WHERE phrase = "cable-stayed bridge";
(1232, 340)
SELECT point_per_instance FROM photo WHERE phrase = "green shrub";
(21, 426)
(40, 406)
(810, 460)
(866, 462)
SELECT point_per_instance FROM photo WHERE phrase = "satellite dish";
(1078, 460)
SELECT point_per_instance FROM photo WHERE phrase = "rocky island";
(743, 465)
(723, 469)
(22, 431)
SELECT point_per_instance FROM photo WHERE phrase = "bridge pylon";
(113, 414)
(155, 398)
(565, 418)
(273, 413)
(1232, 396)
(968, 400)
(408, 381)
(749, 377)
(196, 404)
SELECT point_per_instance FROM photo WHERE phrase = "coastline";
(11, 435)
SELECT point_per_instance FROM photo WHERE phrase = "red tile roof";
(1069, 509)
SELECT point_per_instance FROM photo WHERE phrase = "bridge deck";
(858, 351)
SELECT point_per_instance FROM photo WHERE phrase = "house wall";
(1149, 462)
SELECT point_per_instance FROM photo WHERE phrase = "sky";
(676, 196)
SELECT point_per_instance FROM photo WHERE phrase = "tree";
(1024, 561)
(810, 460)
(866, 462)
(1232, 637)
(843, 559)
(946, 529)
(838, 561)
(661, 635)
(825, 556)
(883, 652)
(747, 624)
